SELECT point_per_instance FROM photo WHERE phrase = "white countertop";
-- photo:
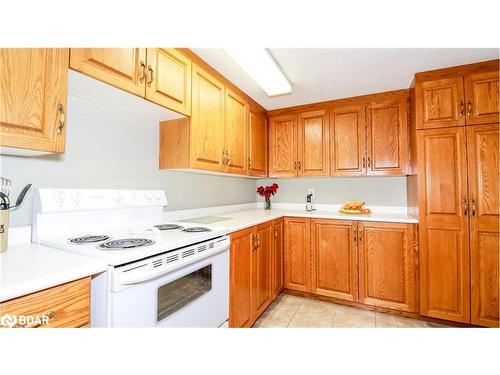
(27, 267)
(249, 217)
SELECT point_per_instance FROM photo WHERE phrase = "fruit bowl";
(354, 208)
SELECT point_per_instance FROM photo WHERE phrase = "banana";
(355, 203)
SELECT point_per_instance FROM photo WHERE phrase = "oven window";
(178, 293)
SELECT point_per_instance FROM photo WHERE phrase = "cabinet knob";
(469, 108)
(461, 108)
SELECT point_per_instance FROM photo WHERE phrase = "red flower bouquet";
(267, 192)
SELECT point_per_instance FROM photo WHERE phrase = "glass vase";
(267, 204)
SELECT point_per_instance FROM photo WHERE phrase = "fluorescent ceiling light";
(262, 68)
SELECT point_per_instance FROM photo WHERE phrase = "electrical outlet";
(311, 191)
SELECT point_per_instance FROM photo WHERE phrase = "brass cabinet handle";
(249, 163)
(473, 212)
(461, 108)
(469, 108)
(300, 165)
(465, 206)
(364, 162)
(369, 162)
(360, 237)
(225, 157)
(275, 233)
(143, 77)
(295, 164)
(62, 119)
(150, 70)
(354, 231)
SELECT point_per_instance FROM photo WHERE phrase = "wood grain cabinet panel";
(207, 121)
(444, 233)
(313, 155)
(66, 305)
(387, 265)
(277, 259)
(387, 135)
(257, 145)
(347, 140)
(483, 144)
(169, 79)
(235, 130)
(124, 68)
(240, 299)
(482, 96)
(283, 146)
(334, 258)
(440, 103)
(261, 269)
(297, 254)
(33, 91)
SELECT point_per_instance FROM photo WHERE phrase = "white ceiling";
(325, 74)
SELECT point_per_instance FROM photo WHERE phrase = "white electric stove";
(160, 274)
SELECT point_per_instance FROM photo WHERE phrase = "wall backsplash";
(375, 191)
(112, 142)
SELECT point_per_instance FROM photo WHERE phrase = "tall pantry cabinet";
(458, 194)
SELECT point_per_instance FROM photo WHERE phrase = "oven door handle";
(137, 276)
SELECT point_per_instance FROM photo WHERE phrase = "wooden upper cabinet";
(283, 146)
(124, 68)
(235, 130)
(33, 92)
(257, 145)
(261, 269)
(443, 226)
(240, 303)
(387, 145)
(169, 79)
(207, 121)
(347, 140)
(277, 259)
(313, 155)
(481, 92)
(482, 152)
(387, 265)
(334, 258)
(440, 103)
(297, 254)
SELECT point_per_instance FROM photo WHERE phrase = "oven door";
(196, 295)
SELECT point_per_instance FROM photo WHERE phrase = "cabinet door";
(443, 227)
(169, 79)
(261, 269)
(482, 152)
(124, 68)
(334, 258)
(481, 92)
(283, 146)
(257, 145)
(313, 143)
(440, 103)
(347, 141)
(297, 254)
(33, 91)
(277, 259)
(387, 146)
(235, 129)
(387, 265)
(207, 121)
(240, 313)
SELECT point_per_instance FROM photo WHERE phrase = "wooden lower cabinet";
(252, 272)
(387, 265)
(334, 258)
(297, 254)
(66, 305)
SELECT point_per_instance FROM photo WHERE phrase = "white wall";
(375, 191)
(112, 142)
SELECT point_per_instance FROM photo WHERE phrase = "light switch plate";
(311, 191)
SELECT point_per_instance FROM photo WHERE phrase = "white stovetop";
(27, 267)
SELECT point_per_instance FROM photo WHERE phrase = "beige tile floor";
(293, 311)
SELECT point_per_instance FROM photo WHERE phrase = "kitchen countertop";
(27, 267)
(248, 218)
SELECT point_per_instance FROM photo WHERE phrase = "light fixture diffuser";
(261, 67)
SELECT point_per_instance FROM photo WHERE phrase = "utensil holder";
(4, 230)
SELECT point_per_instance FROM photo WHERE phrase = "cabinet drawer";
(66, 305)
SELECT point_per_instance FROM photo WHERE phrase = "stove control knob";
(117, 197)
(58, 197)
